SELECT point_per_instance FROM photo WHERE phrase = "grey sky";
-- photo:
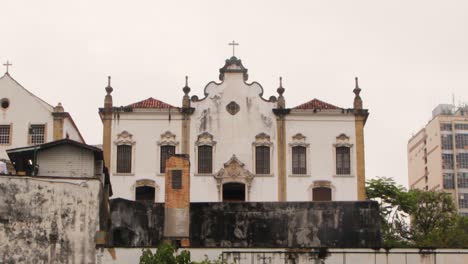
(409, 56)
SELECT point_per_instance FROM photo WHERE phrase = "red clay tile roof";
(315, 103)
(151, 103)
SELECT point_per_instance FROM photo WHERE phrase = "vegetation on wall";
(417, 218)
(167, 254)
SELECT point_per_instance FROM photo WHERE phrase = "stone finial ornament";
(357, 98)
(186, 98)
(109, 88)
(281, 102)
(59, 108)
(108, 99)
(186, 88)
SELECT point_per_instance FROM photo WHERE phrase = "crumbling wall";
(253, 225)
(48, 220)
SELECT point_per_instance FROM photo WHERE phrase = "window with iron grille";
(445, 126)
(205, 159)
(462, 160)
(461, 126)
(461, 141)
(299, 161)
(262, 160)
(462, 180)
(447, 142)
(124, 159)
(37, 134)
(321, 194)
(166, 152)
(343, 161)
(447, 161)
(463, 200)
(448, 181)
(4, 135)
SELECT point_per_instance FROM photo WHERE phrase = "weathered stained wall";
(253, 225)
(66, 161)
(48, 221)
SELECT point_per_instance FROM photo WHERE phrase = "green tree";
(417, 218)
(167, 254)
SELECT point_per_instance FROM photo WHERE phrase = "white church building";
(26, 119)
(242, 145)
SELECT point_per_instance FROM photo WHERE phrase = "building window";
(463, 200)
(445, 127)
(262, 160)
(166, 153)
(449, 181)
(262, 153)
(299, 161)
(343, 161)
(321, 194)
(461, 141)
(462, 180)
(447, 161)
(124, 159)
(36, 134)
(447, 142)
(205, 159)
(461, 126)
(204, 155)
(167, 148)
(145, 193)
(462, 160)
(4, 134)
(5, 103)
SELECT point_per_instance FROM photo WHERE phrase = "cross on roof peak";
(233, 44)
(7, 65)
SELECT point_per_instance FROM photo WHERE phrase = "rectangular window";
(343, 162)
(124, 159)
(166, 152)
(445, 127)
(447, 142)
(4, 135)
(462, 160)
(448, 181)
(461, 126)
(262, 160)
(462, 180)
(447, 161)
(461, 141)
(299, 161)
(176, 179)
(463, 200)
(205, 159)
(36, 134)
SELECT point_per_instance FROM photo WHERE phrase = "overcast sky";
(409, 56)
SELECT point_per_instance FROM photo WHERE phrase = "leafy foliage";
(417, 218)
(167, 254)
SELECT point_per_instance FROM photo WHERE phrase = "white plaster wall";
(234, 135)
(25, 109)
(321, 131)
(36, 212)
(66, 161)
(146, 128)
(276, 256)
(69, 128)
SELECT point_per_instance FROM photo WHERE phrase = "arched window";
(321, 194)
(343, 161)
(299, 161)
(124, 159)
(205, 159)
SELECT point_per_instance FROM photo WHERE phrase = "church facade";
(242, 145)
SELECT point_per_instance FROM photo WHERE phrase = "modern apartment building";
(438, 154)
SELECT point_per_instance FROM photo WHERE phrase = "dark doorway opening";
(321, 194)
(233, 192)
(144, 193)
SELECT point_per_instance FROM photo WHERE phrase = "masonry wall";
(48, 221)
(253, 225)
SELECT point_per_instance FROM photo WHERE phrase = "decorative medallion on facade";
(168, 139)
(232, 108)
(124, 138)
(205, 139)
(342, 140)
(298, 140)
(262, 139)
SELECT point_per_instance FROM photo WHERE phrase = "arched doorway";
(233, 192)
(321, 194)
